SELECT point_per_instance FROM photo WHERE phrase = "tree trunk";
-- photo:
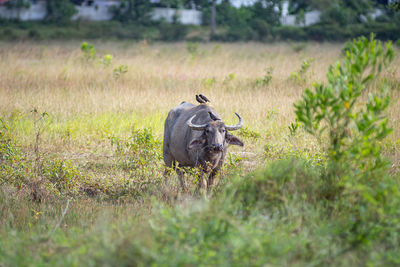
(213, 14)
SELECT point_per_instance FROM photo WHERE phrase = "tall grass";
(100, 146)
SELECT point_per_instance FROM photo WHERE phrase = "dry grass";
(115, 212)
(87, 104)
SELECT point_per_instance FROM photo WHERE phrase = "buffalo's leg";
(203, 181)
(202, 184)
(169, 164)
(181, 177)
(211, 177)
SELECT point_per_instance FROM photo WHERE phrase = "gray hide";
(206, 148)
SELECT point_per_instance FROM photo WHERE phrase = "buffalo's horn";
(198, 127)
(237, 126)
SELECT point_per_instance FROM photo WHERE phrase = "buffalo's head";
(216, 136)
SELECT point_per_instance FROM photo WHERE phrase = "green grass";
(100, 147)
(273, 216)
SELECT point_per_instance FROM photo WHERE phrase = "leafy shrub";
(88, 50)
(293, 127)
(192, 48)
(34, 34)
(12, 168)
(264, 81)
(172, 32)
(298, 47)
(299, 76)
(395, 5)
(229, 78)
(335, 103)
(262, 28)
(106, 60)
(247, 133)
(208, 82)
(355, 173)
(9, 34)
(289, 33)
(60, 11)
(272, 187)
(62, 175)
(120, 70)
(133, 11)
(140, 152)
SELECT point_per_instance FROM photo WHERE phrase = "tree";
(269, 11)
(213, 15)
(133, 11)
(395, 5)
(60, 11)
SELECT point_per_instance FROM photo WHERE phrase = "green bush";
(140, 152)
(290, 33)
(172, 32)
(13, 169)
(89, 52)
(264, 81)
(34, 34)
(60, 11)
(262, 28)
(355, 174)
(63, 176)
(273, 187)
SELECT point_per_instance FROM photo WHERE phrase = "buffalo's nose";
(217, 147)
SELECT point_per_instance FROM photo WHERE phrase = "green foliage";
(18, 4)
(60, 11)
(89, 52)
(293, 128)
(229, 78)
(12, 169)
(209, 82)
(42, 176)
(90, 55)
(140, 152)
(395, 5)
(247, 133)
(332, 107)
(290, 33)
(192, 48)
(355, 172)
(120, 70)
(264, 81)
(133, 11)
(300, 76)
(262, 28)
(106, 60)
(172, 32)
(298, 46)
(63, 177)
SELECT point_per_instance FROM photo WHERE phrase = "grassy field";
(82, 178)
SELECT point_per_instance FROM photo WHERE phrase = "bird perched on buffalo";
(202, 99)
(213, 117)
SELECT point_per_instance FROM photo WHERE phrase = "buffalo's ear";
(233, 140)
(197, 142)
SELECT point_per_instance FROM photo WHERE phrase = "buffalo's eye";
(223, 131)
(207, 130)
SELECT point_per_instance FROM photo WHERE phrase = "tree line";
(259, 21)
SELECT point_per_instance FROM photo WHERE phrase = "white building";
(100, 10)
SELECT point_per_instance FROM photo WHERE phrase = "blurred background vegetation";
(259, 20)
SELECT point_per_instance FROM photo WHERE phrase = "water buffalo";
(195, 136)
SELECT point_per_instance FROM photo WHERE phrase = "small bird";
(200, 100)
(213, 117)
(204, 98)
